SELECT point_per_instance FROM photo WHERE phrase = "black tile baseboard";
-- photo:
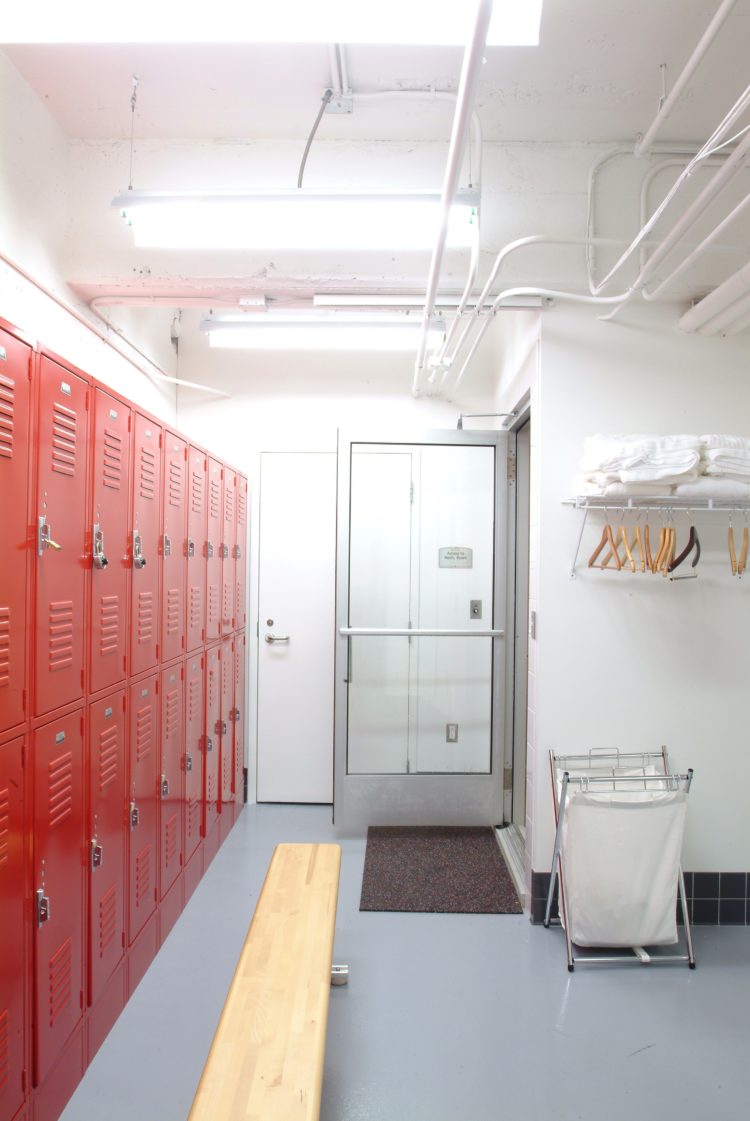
(713, 898)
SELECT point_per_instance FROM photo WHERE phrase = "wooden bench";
(266, 1060)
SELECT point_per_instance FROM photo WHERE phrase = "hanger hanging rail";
(656, 503)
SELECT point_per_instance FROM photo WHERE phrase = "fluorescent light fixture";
(513, 23)
(294, 219)
(305, 331)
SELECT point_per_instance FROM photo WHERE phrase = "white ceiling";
(595, 77)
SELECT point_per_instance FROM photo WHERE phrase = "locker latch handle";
(209, 743)
(188, 762)
(167, 546)
(234, 715)
(209, 549)
(135, 816)
(139, 561)
(237, 552)
(164, 786)
(100, 560)
(190, 547)
(224, 551)
(43, 539)
(221, 728)
(43, 910)
(97, 854)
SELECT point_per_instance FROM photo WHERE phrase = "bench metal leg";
(339, 974)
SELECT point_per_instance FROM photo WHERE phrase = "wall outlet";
(451, 733)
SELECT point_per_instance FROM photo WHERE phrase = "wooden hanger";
(732, 553)
(637, 544)
(607, 538)
(693, 544)
(656, 561)
(669, 550)
(622, 535)
(743, 552)
(647, 547)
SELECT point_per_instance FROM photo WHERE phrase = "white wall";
(635, 660)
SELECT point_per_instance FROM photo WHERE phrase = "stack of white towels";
(713, 466)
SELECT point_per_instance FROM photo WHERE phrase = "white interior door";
(296, 574)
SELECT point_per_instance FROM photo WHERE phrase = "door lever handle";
(271, 638)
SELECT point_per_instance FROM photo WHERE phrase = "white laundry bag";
(621, 855)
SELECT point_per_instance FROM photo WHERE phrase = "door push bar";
(416, 632)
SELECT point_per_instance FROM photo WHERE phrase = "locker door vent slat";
(147, 481)
(172, 713)
(145, 617)
(64, 440)
(214, 499)
(194, 696)
(60, 789)
(4, 1048)
(4, 646)
(59, 975)
(108, 753)
(196, 493)
(109, 625)
(7, 412)
(143, 875)
(213, 603)
(175, 484)
(4, 826)
(170, 840)
(60, 635)
(228, 505)
(196, 606)
(174, 614)
(112, 463)
(193, 816)
(144, 730)
(107, 919)
(241, 508)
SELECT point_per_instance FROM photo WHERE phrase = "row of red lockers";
(124, 545)
(124, 549)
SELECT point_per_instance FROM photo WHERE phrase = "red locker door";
(60, 527)
(213, 550)
(109, 537)
(106, 839)
(170, 779)
(194, 706)
(15, 418)
(225, 718)
(228, 542)
(196, 549)
(12, 928)
(211, 741)
(173, 548)
(143, 856)
(144, 602)
(239, 718)
(240, 555)
(58, 885)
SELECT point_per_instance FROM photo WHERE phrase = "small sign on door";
(456, 556)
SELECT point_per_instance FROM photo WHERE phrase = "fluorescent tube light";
(294, 219)
(418, 22)
(278, 331)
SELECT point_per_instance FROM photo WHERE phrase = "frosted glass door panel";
(380, 596)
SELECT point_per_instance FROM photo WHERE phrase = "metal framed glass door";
(420, 628)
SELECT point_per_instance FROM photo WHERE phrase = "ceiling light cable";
(133, 100)
(323, 102)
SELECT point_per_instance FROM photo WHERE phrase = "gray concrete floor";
(445, 1018)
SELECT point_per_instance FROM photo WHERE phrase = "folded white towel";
(622, 490)
(713, 472)
(707, 487)
(725, 441)
(614, 454)
(734, 459)
(667, 476)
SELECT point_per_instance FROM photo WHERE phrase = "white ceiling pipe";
(739, 325)
(699, 250)
(333, 61)
(176, 301)
(467, 89)
(716, 302)
(644, 209)
(645, 142)
(721, 323)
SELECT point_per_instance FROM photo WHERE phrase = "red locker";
(60, 528)
(108, 790)
(15, 422)
(228, 543)
(240, 556)
(143, 858)
(195, 685)
(12, 927)
(58, 886)
(110, 553)
(170, 778)
(211, 742)
(239, 721)
(174, 548)
(196, 548)
(213, 550)
(225, 719)
(144, 552)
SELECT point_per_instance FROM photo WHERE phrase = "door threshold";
(513, 848)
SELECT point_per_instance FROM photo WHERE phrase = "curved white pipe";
(643, 145)
(467, 88)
